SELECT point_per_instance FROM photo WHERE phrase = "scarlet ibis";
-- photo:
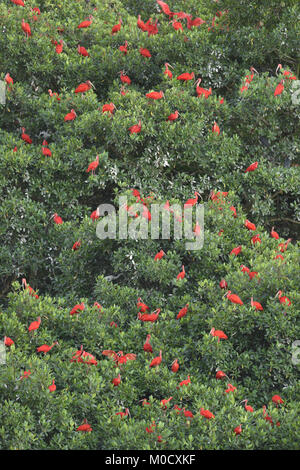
(70, 116)
(45, 348)
(223, 284)
(86, 23)
(238, 430)
(233, 298)
(25, 137)
(77, 308)
(35, 324)
(53, 94)
(195, 22)
(141, 305)
(279, 89)
(192, 201)
(26, 374)
(93, 165)
(46, 151)
(165, 401)
(167, 71)
(95, 215)
(85, 427)
(122, 414)
(181, 275)
(140, 24)
(236, 251)
(248, 407)
(256, 305)
(216, 128)
(157, 360)
(256, 239)
(187, 413)
(266, 416)
(29, 288)
(18, 2)
(177, 26)
(124, 48)
(206, 413)
(84, 87)
(283, 299)
(249, 225)
(220, 375)
(218, 333)
(173, 116)
(186, 76)
(76, 245)
(175, 366)
(136, 128)
(252, 167)
(116, 381)
(8, 341)
(185, 382)
(52, 387)
(165, 7)
(147, 345)
(159, 255)
(145, 52)
(59, 46)
(202, 91)
(116, 28)
(233, 209)
(155, 95)
(151, 317)
(182, 312)
(119, 357)
(26, 28)
(57, 219)
(9, 81)
(274, 234)
(230, 388)
(82, 51)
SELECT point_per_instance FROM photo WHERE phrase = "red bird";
(185, 382)
(136, 128)
(147, 345)
(8, 341)
(238, 430)
(155, 95)
(18, 2)
(277, 400)
(223, 284)
(279, 89)
(52, 387)
(145, 52)
(46, 151)
(186, 76)
(26, 28)
(141, 306)
(35, 324)
(220, 374)
(159, 255)
(124, 78)
(86, 23)
(77, 308)
(116, 381)
(157, 360)
(202, 91)
(181, 275)
(124, 48)
(165, 8)
(274, 234)
(76, 245)
(177, 25)
(151, 317)
(59, 46)
(230, 388)
(173, 116)
(182, 312)
(45, 348)
(248, 407)
(252, 167)
(84, 87)
(116, 28)
(175, 366)
(122, 414)
(219, 333)
(233, 298)
(25, 137)
(206, 413)
(82, 51)
(165, 401)
(85, 427)
(192, 201)
(216, 128)
(119, 357)
(167, 71)
(57, 219)
(256, 305)
(9, 81)
(70, 116)
(140, 24)
(236, 251)
(93, 165)
(249, 225)
(283, 299)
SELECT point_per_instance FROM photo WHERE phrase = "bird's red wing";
(130, 356)
(109, 353)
